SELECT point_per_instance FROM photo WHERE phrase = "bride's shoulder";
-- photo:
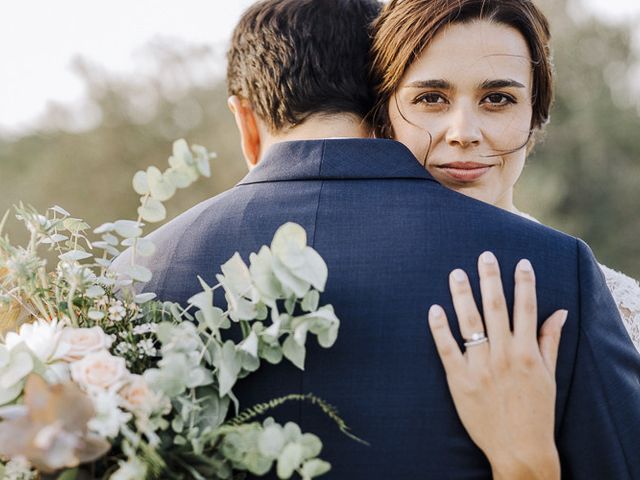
(626, 293)
(625, 290)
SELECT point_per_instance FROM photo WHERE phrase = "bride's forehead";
(463, 52)
(477, 42)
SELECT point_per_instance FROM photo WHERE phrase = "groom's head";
(294, 61)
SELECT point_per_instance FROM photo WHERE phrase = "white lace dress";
(626, 292)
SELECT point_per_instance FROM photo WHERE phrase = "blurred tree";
(136, 121)
(584, 178)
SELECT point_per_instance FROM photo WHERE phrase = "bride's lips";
(464, 171)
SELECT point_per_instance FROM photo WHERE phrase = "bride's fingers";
(446, 345)
(525, 306)
(496, 315)
(549, 339)
(466, 309)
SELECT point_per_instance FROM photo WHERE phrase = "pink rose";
(99, 369)
(82, 341)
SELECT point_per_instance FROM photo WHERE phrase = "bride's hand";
(504, 388)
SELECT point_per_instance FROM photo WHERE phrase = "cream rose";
(137, 395)
(80, 342)
(99, 369)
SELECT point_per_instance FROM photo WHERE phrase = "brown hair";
(406, 27)
(294, 58)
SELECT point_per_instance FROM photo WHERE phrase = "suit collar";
(352, 158)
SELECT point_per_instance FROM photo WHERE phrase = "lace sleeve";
(626, 292)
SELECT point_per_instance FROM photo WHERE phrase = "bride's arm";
(503, 389)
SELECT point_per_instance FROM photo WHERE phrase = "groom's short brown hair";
(294, 58)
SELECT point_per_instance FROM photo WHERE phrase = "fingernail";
(565, 314)
(459, 275)
(436, 312)
(524, 265)
(488, 258)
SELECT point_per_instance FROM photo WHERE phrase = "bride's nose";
(464, 127)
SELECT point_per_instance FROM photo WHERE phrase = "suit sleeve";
(599, 434)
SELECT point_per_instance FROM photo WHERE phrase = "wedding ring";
(475, 339)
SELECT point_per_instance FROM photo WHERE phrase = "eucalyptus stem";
(72, 314)
(139, 222)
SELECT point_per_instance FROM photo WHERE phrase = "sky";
(39, 38)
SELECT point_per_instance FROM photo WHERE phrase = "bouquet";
(97, 381)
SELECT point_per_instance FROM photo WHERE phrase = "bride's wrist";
(539, 466)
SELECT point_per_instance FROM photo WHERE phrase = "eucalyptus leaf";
(272, 354)
(228, 363)
(71, 474)
(137, 273)
(75, 225)
(74, 255)
(55, 238)
(310, 301)
(289, 460)
(104, 228)
(60, 210)
(160, 187)
(144, 297)
(152, 211)
(103, 262)
(110, 239)
(237, 276)
(140, 183)
(181, 152)
(294, 352)
(179, 177)
(127, 228)
(271, 441)
(314, 468)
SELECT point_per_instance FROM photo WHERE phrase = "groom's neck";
(318, 127)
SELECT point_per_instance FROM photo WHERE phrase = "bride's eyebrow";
(438, 84)
(500, 83)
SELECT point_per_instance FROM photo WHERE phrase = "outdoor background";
(90, 92)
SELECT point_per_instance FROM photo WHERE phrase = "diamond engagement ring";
(476, 339)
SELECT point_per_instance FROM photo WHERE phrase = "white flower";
(18, 468)
(82, 341)
(123, 348)
(109, 418)
(41, 337)
(102, 302)
(145, 347)
(132, 469)
(99, 369)
(145, 328)
(117, 311)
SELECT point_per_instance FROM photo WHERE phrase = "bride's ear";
(247, 123)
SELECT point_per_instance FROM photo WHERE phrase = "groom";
(390, 235)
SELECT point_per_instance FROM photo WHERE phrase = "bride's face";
(465, 105)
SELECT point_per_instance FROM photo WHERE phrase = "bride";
(466, 85)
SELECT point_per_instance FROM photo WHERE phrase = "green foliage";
(175, 369)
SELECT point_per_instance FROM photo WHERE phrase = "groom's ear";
(247, 123)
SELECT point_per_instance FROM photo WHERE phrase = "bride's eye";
(498, 99)
(431, 98)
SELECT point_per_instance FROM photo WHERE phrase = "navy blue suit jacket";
(390, 235)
